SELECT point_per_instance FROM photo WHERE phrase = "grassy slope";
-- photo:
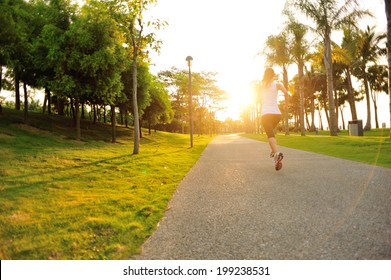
(373, 148)
(63, 199)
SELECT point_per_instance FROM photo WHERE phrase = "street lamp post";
(189, 59)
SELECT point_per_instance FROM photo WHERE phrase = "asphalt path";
(234, 205)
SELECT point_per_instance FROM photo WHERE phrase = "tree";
(388, 15)
(92, 60)
(129, 15)
(107, 88)
(377, 78)
(16, 48)
(8, 34)
(56, 17)
(329, 15)
(369, 52)
(312, 85)
(176, 82)
(299, 49)
(208, 98)
(159, 110)
(320, 83)
(144, 81)
(349, 58)
(340, 86)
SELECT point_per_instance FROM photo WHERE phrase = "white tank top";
(269, 99)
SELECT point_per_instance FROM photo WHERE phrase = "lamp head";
(189, 59)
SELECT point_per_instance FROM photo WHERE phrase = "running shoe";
(278, 160)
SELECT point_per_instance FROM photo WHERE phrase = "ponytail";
(268, 77)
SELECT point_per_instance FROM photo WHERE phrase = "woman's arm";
(283, 89)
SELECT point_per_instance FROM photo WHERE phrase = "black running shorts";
(269, 123)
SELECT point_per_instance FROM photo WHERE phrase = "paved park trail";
(234, 205)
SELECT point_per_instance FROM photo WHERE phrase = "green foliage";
(159, 110)
(63, 199)
(78, 55)
(207, 98)
(144, 80)
(93, 60)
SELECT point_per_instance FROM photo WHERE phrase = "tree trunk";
(45, 101)
(77, 118)
(121, 114)
(73, 113)
(326, 111)
(376, 118)
(312, 127)
(336, 102)
(285, 78)
(1, 77)
(374, 98)
(320, 119)
(307, 121)
(26, 102)
(342, 117)
(83, 117)
(368, 125)
(141, 131)
(352, 102)
(136, 135)
(95, 116)
(48, 97)
(388, 15)
(301, 113)
(126, 118)
(113, 123)
(297, 122)
(330, 92)
(17, 91)
(60, 106)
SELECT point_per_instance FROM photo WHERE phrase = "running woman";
(271, 114)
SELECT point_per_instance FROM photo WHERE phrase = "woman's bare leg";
(273, 144)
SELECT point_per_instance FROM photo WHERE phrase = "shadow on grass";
(17, 183)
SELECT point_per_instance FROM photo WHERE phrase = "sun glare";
(240, 96)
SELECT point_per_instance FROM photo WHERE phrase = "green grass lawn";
(373, 148)
(64, 199)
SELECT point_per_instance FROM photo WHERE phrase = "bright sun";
(239, 97)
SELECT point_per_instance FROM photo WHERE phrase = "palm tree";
(277, 52)
(388, 15)
(311, 86)
(317, 63)
(329, 15)
(369, 51)
(377, 78)
(349, 55)
(299, 53)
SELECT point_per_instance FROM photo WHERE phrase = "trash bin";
(355, 128)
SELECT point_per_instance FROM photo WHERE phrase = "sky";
(221, 36)
(225, 36)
